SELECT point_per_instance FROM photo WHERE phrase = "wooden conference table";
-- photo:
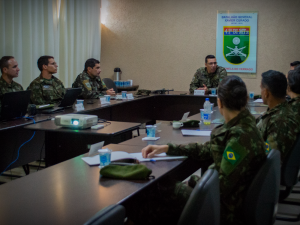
(139, 110)
(71, 192)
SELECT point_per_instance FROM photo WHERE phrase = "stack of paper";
(196, 132)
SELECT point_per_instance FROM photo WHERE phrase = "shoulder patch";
(267, 146)
(87, 84)
(231, 156)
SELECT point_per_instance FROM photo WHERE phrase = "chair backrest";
(260, 205)
(113, 214)
(110, 84)
(203, 206)
(291, 165)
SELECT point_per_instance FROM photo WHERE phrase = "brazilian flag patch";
(267, 146)
(231, 156)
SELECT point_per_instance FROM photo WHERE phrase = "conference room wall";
(161, 43)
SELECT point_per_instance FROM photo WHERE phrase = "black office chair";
(113, 214)
(261, 200)
(289, 177)
(110, 84)
(203, 206)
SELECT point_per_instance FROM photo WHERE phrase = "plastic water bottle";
(207, 112)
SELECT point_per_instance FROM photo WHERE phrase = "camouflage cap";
(143, 92)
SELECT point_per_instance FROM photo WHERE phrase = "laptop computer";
(14, 104)
(68, 100)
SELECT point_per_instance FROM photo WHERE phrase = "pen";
(152, 160)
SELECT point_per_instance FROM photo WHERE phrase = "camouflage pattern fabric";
(211, 80)
(294, 104)
(44, 91)
(91, 87)
(278, 128)
(238, 152)
(143, 92)
(6, 88)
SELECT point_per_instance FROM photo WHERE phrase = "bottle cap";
(207, 99)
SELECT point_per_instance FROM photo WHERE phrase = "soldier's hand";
(151, 150)
(110, 92)
(205, 88)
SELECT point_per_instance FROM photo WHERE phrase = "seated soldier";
(90, 82)
(46, 88)
(10, 70)
(278, 126)
(236, 148)
(294, 65)
(209, 76)
(293, 90)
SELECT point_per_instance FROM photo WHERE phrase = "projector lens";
(75, 122)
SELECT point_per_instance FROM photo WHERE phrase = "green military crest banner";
(236, 45)
(237, 41)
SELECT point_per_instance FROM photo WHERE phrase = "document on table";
(95, 160)
(258, 100)
(162, 156)
(204, 133)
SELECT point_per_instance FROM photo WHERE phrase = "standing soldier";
(90, 82)
(46, 88)
(10, 70)
(209, 76)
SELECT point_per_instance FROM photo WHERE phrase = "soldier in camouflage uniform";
(10, 70)
(90, 82)
(236, 148)
(293, 90)
(208, 77)
(46, 88)
(278, 126)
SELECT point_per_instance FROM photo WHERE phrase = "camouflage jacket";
(6, 88)
(91, 87)
(238, 152)
(294, 104)
(44, 91)
(278, 128)
(211, 80)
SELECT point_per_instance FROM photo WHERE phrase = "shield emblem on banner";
(236, 44)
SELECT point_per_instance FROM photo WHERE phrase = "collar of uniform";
(244, 113)
(274, 110)
(92, 78)
(294, 100)
(210, 74)
(236, 120)
(7, 84)
(43, 80)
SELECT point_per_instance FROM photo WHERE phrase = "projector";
(76, 121)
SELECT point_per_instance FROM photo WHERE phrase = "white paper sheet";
(258, 100)
(95, 160)
(196, 132)
(185, 116)
(95, 147)
(150, 138)
(162, 156)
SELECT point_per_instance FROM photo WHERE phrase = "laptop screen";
(14, 104)
(70, 97)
